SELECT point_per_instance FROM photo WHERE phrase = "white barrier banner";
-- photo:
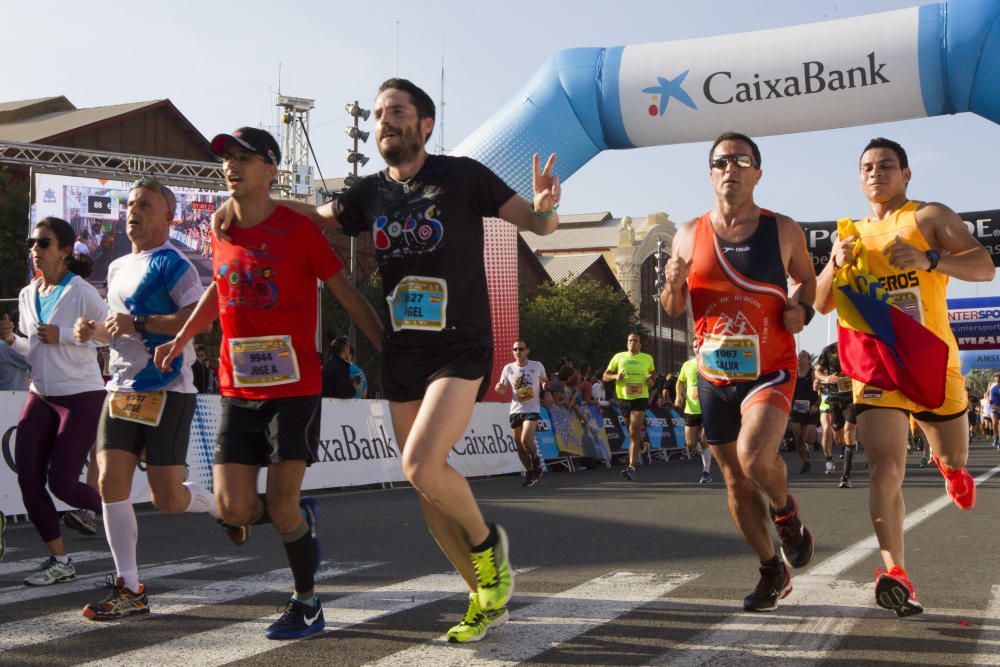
(357, 447)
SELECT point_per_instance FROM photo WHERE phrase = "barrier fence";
(358, 446)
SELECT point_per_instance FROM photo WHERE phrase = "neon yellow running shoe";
(495, 579)
(473, 626)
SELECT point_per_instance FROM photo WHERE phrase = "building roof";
(561, 267)
(18, 123)
(584, 218)
(597, 235)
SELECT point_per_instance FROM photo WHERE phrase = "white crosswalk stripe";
(240, 641)
(64, 624)
(8, 568)
(92, 582)
(550, 621)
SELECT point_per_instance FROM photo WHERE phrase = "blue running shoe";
(310, 512)
(298, 620)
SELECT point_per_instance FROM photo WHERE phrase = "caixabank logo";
(722, 87)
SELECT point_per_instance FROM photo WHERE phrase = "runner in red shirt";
(264, 294)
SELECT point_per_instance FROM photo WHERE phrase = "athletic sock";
(848, 459)
(706, 459)
(123, 533)
(201, 500)
(301, 556)
(62, 558)
(490, 540)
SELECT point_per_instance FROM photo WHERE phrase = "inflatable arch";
(923, 61)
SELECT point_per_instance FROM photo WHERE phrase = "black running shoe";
(238, 535)
(796, 540)
(629, 473)
(775, 584)
(806, 467)
(845, 482)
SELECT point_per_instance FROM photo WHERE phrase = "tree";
(582, 319)
(13, 231)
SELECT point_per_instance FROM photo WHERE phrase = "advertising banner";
(545, 437)
(975, 322)
(357, 447)
(984, 225)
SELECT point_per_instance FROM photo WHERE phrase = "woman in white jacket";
(58, 422)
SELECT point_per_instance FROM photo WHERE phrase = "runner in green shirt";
(687, 400)
(631, 371)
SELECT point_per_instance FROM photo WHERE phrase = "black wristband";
(810, 312)
(139, 322)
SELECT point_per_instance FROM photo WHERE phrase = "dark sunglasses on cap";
(741, 160)
(43, 242)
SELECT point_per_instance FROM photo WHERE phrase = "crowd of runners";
(743, 272)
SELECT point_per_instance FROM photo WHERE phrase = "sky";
(221, 63)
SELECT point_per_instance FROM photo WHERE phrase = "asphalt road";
(610, 573)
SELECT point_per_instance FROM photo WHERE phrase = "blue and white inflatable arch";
(923, 61)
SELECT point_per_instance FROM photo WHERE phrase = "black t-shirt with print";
(428, 239)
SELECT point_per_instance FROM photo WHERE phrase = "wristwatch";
(139, 322)
(933, 256)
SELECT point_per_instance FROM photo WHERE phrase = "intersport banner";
(357, 447)
(976, 322)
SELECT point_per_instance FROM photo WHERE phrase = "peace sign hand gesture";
(545, 185)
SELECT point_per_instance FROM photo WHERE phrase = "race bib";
(844, 384)
(141, 407)
(263, 361)
(909, 302)
(525, 394)
(732, 358)
(800, 406)
(634, 388)
(419, 303)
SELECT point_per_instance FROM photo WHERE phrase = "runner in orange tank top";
(751, 283)
(913, 248)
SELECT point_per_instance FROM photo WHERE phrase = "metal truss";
(119, 166)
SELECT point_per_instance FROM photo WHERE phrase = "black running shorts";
(165, 445)
(635, 405)
(262, 432)
(517, 419)
(407, 371)
(722, 406)
(692, 420)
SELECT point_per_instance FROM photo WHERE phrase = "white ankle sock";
(201, 500)
(706, 459)
(123, 533)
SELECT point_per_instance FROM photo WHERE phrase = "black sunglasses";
(741, 160)
(520, 349)
(43, 242)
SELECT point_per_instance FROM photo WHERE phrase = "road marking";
(731, 642)
(67, 623)
(987, 646)
(26, 565)
(240, 641)
(554, 619)
(91, 582)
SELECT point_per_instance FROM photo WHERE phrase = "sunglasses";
(520, 349)
(741, 160)
(151, 183)
(43, 242)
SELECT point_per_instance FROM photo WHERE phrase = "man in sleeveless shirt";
(751, 283)
(912, 248)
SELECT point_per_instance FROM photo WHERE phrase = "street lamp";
(658, 287)
(354, 158)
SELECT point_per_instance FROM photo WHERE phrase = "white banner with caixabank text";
(357, 447)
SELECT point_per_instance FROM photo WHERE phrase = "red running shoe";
(959, 485)
(893, 591)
